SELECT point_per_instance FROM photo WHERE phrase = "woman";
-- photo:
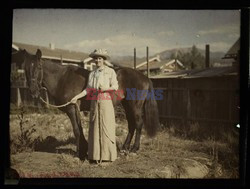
(101, 139)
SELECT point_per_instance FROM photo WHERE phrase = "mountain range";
(215, 57)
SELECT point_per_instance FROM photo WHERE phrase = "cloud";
(166, 33)
(229, 29)
(216, 46)
(119, 45)
(233, 35)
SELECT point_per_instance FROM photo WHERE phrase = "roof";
(233, 51)
(159, 65)
(130, 62)
(53, 53)
(198, 73)
(153, 59)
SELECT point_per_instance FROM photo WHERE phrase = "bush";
(24, 141)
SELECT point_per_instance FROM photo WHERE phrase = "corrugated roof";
(57, 53)
(198, 73)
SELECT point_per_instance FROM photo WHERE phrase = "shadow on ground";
(52, 145)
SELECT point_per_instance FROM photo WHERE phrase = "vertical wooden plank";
(18, 96)
(46, 98)
(148, 70)
(188, 113)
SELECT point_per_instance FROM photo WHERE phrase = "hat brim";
(93, 55)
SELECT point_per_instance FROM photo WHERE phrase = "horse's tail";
(151, 117)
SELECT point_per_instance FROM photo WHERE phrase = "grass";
(165, 156)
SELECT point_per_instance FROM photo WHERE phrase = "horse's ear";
(39, 53)
(24, 51)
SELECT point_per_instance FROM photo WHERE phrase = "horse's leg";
(137, 116)
(131, 128)
(81, 143)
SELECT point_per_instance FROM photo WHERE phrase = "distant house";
(169, 65)
(156, 65)
(153, 59)
(139, 62)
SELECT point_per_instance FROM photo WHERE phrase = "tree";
(192, 59)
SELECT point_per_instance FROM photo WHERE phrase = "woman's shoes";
(100, 163)
(105, 164)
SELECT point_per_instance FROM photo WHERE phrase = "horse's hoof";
(134, 150)
(124, 152)
(133, 153)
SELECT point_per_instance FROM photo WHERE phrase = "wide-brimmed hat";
(100, 52)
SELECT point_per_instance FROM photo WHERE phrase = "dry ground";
(42, 145)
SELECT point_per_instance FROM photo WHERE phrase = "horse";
(64, 82)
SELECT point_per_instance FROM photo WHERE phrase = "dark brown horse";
(64, 82)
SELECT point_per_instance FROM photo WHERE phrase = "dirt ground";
(42, 146)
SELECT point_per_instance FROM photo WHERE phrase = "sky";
(120, 31)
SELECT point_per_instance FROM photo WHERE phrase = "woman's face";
(99, 61)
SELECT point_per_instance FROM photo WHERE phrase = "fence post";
(135, 58)
(18, 95)
(47, 99)
(148, 69)
(207, 58)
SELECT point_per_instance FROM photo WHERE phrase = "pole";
(61, 59)
(135, 58)
(19, 100)
(148, 64)
(207, 57)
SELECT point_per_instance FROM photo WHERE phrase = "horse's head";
(33, 71)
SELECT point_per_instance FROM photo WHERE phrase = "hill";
(128, 61)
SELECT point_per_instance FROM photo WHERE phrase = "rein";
(51, 105)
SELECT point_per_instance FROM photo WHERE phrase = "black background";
(5, 55)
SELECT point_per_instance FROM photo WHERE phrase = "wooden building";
(157, 67)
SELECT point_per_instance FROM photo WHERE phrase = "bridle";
(39, 81)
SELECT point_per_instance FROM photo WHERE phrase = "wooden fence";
(20, 96)
(212, 102)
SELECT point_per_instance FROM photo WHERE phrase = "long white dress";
(101, 139)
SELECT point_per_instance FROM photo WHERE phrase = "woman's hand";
(74, 100)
